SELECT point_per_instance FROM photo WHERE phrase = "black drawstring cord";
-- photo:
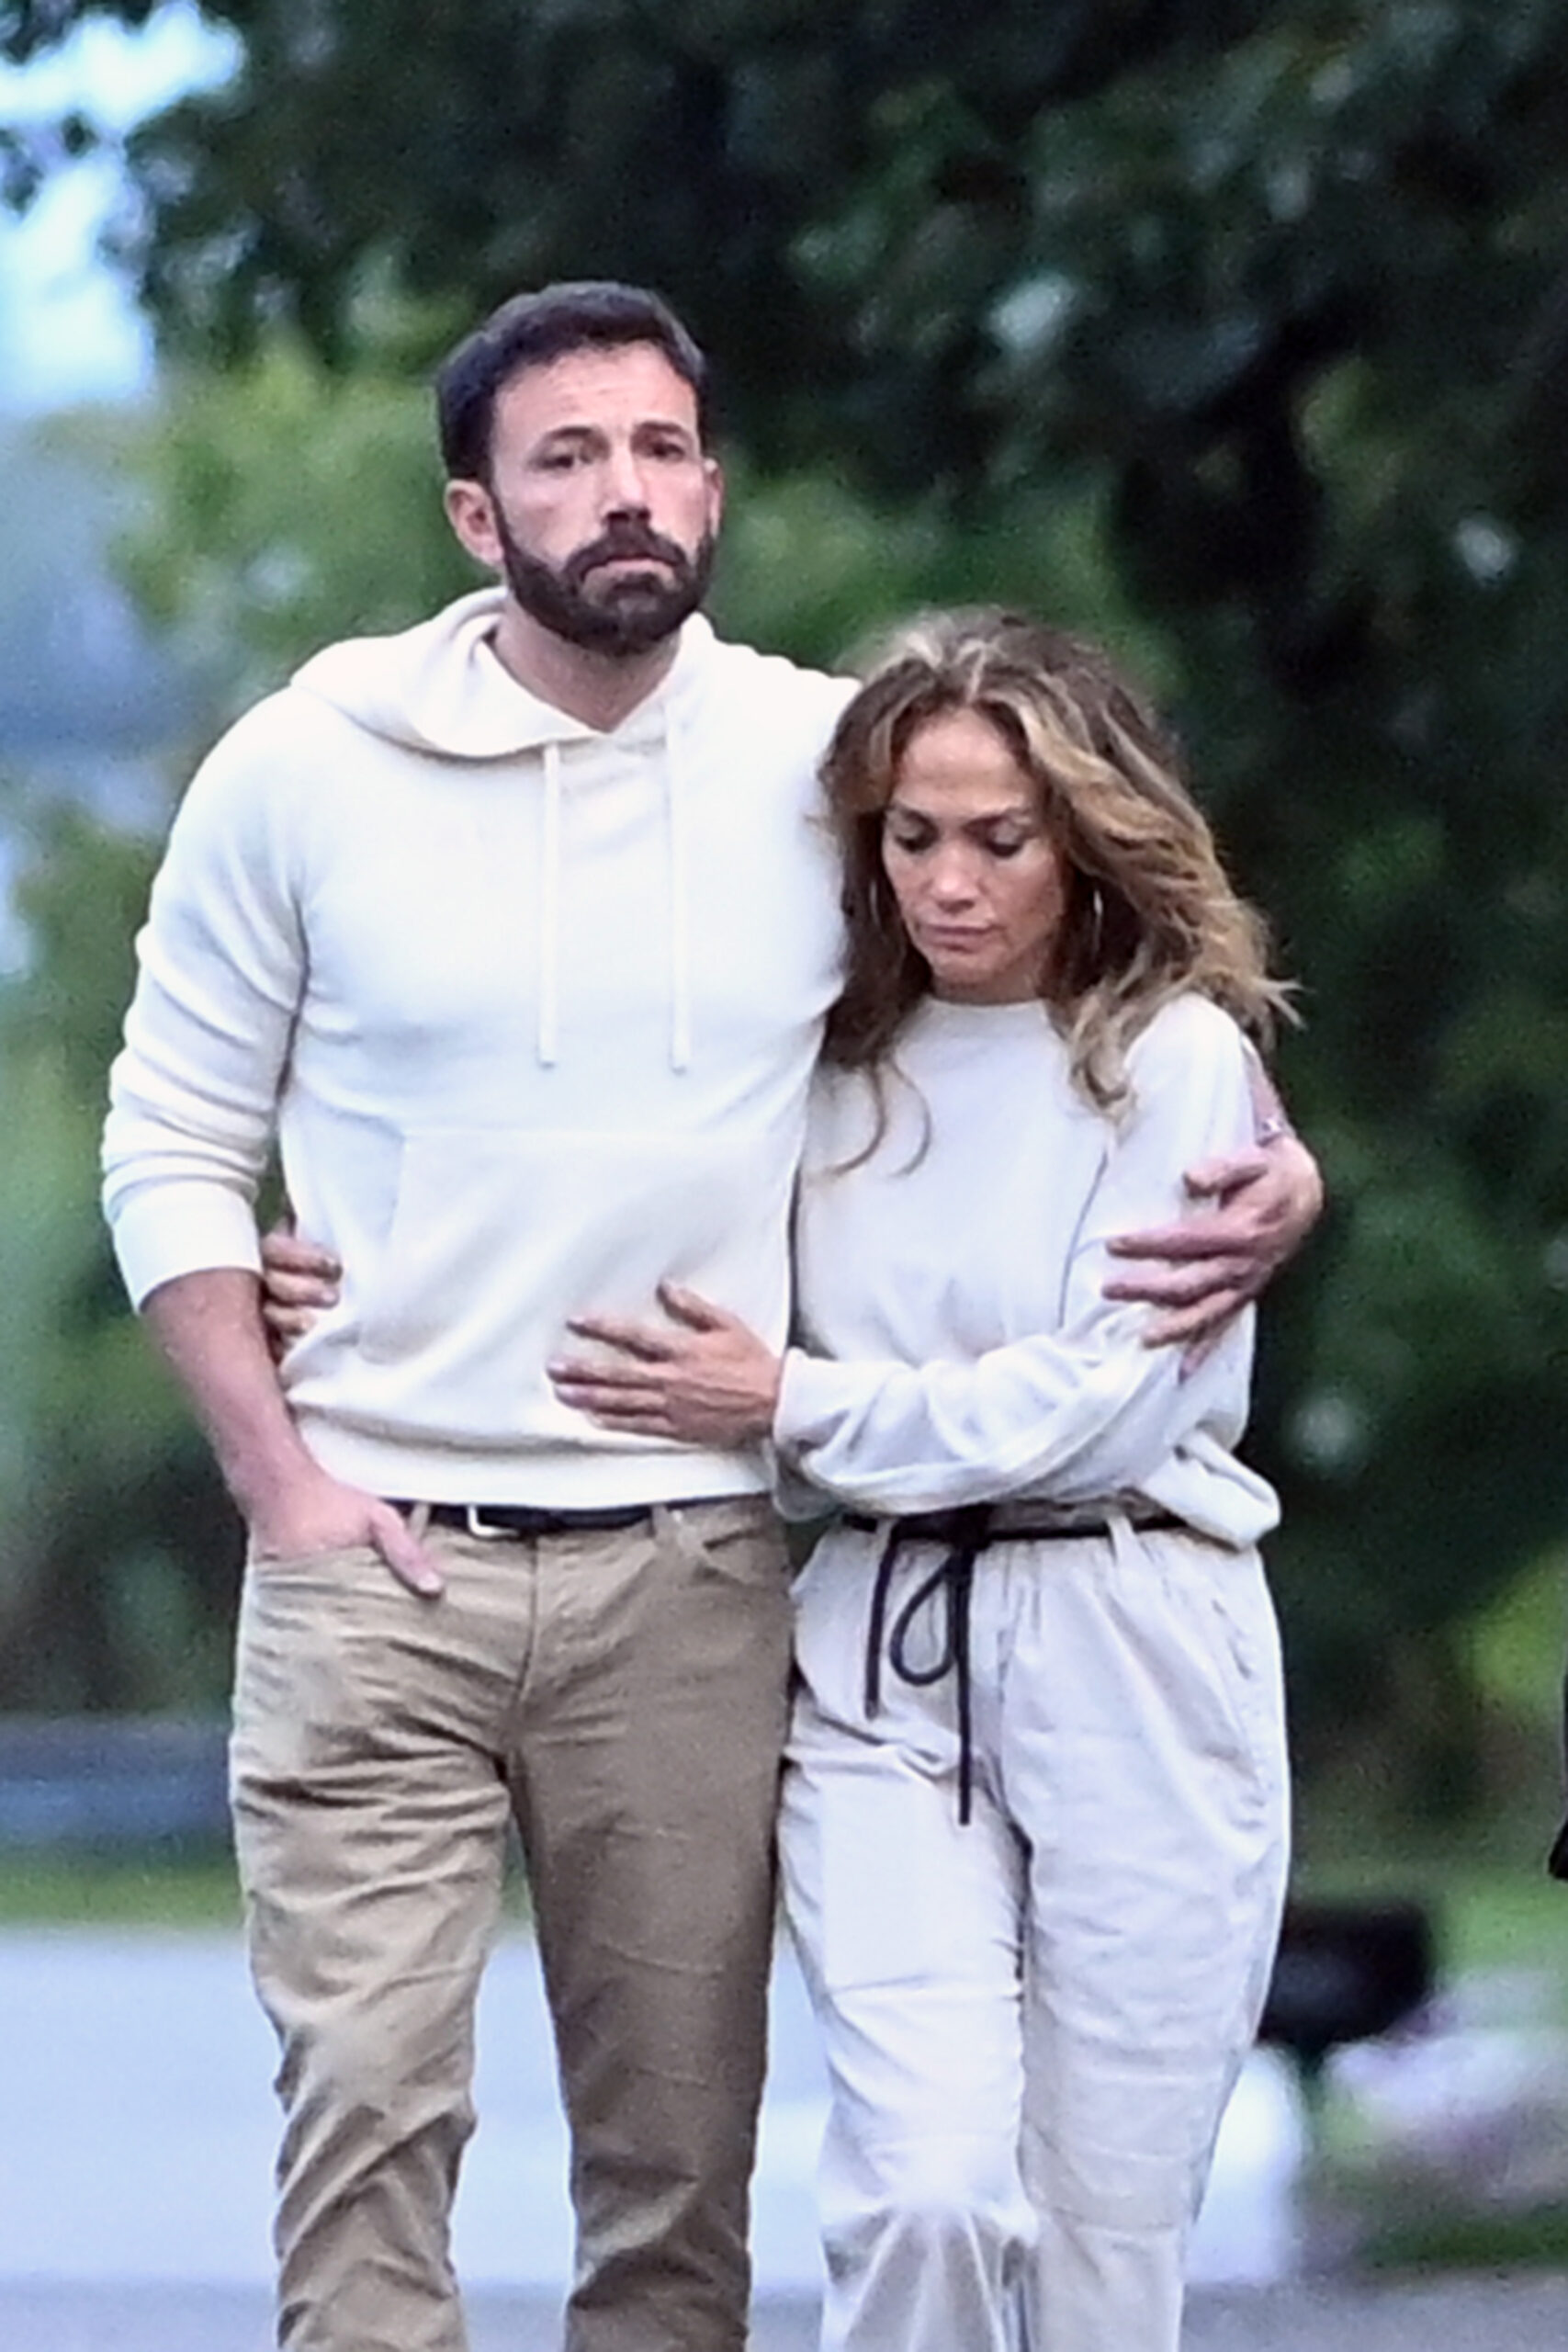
(966, 1531)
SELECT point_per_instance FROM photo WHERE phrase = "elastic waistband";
(1001, 1525)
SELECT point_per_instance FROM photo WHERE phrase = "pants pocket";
(739, 1540)
(1229, 1679)
(315, 1634)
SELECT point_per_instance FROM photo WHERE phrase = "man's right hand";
(209, 1325)
(316, 1514)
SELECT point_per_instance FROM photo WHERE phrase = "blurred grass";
(1492, 1915)
(88, 1890)
(1535, 2239)
(183, 1890)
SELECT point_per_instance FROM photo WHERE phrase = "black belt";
(521, 1519)
(966, 1531)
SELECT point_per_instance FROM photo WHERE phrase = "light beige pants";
(623, 1697)
(1032, 2022)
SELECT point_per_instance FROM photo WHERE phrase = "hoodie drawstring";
(679, 927)
(547, 1043)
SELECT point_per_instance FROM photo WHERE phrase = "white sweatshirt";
(961, 1347)
(532, 1011)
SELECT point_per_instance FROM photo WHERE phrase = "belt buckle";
(483, 1530)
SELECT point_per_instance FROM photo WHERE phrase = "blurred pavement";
(137, 2129)
(1512, 2314)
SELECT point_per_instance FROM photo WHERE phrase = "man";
(517, 932)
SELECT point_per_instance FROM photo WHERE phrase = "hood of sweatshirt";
(440, 687)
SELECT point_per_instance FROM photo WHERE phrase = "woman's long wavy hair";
(1150, 911)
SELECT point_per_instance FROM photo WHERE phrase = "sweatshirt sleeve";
(194, 1090)
(1084, 1412)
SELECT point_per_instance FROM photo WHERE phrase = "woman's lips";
(935, 935)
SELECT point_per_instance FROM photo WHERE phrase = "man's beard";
(632, 612)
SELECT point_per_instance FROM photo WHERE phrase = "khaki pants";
(1031, 2022)
(622, 1697)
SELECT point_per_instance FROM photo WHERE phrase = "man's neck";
(600, 689)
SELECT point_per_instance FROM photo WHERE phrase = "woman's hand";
(299, 1280)
(711, 1380)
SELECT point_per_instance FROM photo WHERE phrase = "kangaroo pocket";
(496, 1239)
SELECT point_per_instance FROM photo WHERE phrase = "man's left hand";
(1262, 1203)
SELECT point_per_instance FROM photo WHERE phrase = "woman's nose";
(952, 874)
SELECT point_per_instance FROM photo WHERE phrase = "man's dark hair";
(529, 331)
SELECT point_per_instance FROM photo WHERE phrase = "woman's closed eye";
(915, 840)
(910, 839)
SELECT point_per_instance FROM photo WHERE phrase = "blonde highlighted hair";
(1150, 911)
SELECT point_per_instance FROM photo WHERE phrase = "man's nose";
(625, 487)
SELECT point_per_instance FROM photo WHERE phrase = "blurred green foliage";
(118, 1561)
(291, 508)
(1236, 333)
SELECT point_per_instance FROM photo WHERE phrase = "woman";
(1034, 1822)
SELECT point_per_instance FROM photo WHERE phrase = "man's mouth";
(628, 559)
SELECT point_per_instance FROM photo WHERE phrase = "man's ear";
(470, 510)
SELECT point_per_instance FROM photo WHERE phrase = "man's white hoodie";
(531, 1011)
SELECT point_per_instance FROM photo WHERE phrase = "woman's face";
(981, 886)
